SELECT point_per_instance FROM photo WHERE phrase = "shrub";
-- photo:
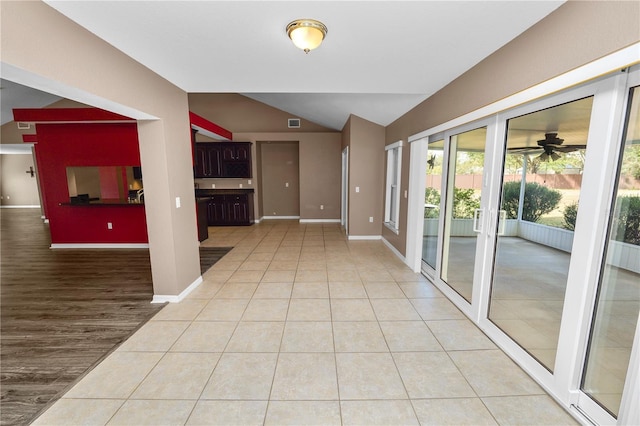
(432, 196)
(538, 200)
(464, 203)
(570, 212)
(626, 223)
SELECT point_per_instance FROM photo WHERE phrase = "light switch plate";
(178, 202)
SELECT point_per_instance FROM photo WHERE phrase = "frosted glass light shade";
(306, 34)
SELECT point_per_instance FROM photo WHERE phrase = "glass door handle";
(502, 221)
(477, 220)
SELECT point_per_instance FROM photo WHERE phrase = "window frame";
(393, 181)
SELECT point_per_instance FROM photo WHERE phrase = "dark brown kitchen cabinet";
(217, 211)
(230, 210)
(202, 206)
(208, 162)
(222, 160)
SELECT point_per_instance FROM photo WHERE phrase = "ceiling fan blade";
(569, 148)
(527, 150)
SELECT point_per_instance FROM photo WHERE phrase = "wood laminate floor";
(61, 310)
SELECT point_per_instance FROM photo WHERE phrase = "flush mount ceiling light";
(306, 34)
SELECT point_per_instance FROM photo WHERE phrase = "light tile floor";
(297, 325)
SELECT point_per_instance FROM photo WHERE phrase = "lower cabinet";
(230, 210)
(202, 207)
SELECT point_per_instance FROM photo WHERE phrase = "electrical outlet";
(286, 184)
(249, 182)
(109, 225)
(213, 186)
(405, 193)
(357, 189)
(371, 219)
(321, 206)
(178, 202)
(240, 185)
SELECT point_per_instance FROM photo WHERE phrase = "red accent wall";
(106, 145)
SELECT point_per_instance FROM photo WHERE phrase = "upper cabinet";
(222, 160)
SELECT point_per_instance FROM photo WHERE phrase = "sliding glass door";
(532, 228)
(615, 316)
(432, 198)
(462, 214)
(541, 182)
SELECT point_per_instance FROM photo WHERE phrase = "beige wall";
(63, 58)
(575, 34)
(17, 188)
(366, 171)
(223, 109)
(9, 133)
(280, 178)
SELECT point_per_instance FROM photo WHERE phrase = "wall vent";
(294, 123)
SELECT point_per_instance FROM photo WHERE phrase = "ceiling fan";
(551, 146)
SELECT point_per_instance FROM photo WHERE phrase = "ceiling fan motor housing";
(550, 139)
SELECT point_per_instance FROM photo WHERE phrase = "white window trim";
(392, 222)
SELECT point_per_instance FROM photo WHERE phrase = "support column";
(170, 211)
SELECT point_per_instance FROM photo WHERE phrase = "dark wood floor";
(62, 311)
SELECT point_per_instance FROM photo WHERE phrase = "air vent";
(23, 126)
(294, 123)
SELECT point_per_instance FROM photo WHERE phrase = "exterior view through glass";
(618, 302)
(541, 183)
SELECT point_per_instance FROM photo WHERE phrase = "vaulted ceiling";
(379, 59)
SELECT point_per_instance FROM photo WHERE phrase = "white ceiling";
(13, 95)
(379, 59)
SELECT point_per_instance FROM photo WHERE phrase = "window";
(392, 200)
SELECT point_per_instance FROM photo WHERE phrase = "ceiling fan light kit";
(306, 34)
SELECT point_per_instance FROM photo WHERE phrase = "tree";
(538, 200)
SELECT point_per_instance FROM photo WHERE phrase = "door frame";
(344, 196)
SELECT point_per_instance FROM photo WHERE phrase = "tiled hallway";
(297, 325)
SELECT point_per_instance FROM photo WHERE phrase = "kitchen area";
(223, 185)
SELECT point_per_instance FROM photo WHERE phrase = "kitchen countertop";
(209, 192)
(105, 202)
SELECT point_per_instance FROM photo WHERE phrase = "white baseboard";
(319, 220)
(99, 246)
(365, 237)
(20, 207)
(279, 217)
(394, 250)
(159, 298)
